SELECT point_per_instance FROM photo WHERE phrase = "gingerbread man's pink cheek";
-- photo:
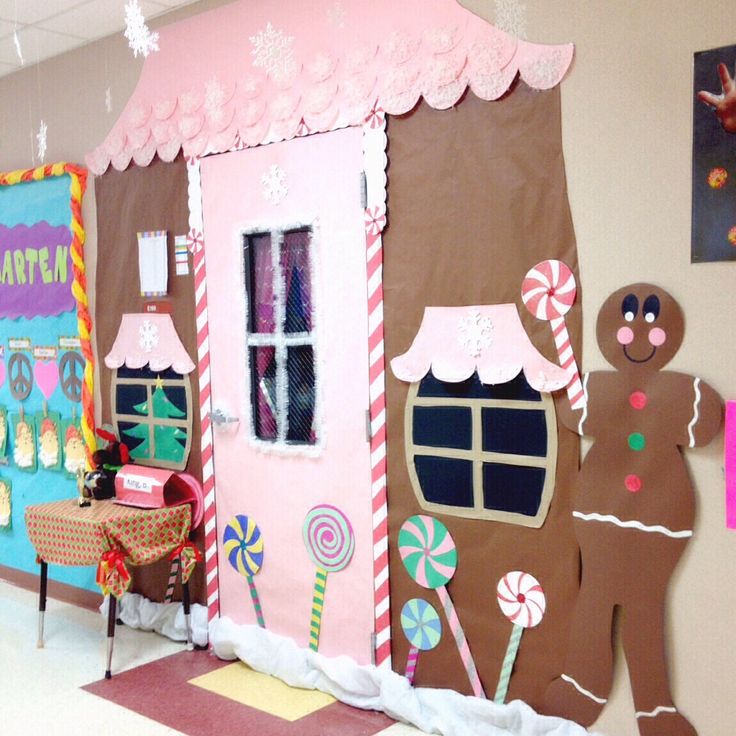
(625, 336)
(657, 336)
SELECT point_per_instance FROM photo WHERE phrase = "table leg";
(112, 605)
(187, 613)
(42, 601)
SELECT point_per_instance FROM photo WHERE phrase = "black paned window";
(279, 335)
(482, 451)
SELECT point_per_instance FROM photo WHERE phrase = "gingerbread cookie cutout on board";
(634, 506)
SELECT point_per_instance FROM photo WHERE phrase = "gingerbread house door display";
(285, 264)
(283, 119)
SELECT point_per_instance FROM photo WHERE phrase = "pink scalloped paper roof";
(455, 342)
(258, 71)
(149, 340)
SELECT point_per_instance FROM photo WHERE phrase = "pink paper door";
(286, 279)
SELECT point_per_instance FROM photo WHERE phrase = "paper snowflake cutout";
(41, 141)
(511, 17)
(475, 333)
(108, 100)
(272, 51)
(18, 49)
(336, 14)
(147, 336)
(274, 185)
(140, 38)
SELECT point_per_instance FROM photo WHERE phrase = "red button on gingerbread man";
(634, 506)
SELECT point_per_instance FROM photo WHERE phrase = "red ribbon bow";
(187, 548)
(189, 555)
(112, 575)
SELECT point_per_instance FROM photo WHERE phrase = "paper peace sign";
(20, 376)
(422, 628)
(71, 375)
(243, 546)
(430, 557)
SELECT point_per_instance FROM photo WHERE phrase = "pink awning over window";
(258, 71)
(149, 340)
(455, 342)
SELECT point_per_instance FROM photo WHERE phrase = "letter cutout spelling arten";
(634, 506)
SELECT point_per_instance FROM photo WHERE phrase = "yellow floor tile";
(263, 692)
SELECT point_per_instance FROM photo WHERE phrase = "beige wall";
(627, 134)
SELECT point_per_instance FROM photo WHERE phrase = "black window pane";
(472, 388)
(259, 282)
(517, 388)
(295, 268)
(445, 480)
(516, 431)
(300, 377)
(263, 392)
(512, 488)
(146, 374)
(443, 426)
(130, 399)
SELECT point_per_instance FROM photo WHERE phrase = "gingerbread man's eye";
(651, 308)
(630, 307)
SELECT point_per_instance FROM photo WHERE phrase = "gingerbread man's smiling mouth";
(639, 360)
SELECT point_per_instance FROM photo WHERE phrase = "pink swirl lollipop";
(548, 291)
(330, 542)
(522, 601)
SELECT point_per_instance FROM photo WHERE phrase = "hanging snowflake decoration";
(336, 14)
(140, 38)
(108, 100)
(147, 336)
(511, 17)
(272, 51)
(475, 333)
(41, 141)
(274, 185)
(18, 49)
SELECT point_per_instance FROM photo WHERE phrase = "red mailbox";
(154, 488)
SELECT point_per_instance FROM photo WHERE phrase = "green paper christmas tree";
(166, 437)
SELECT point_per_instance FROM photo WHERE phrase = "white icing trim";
(659, 709)
(584, 415)
(696, 411)
(633, 524)
(583, 691)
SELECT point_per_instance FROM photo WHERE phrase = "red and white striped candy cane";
(548, 291)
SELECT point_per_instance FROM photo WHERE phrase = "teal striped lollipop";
(423, 629)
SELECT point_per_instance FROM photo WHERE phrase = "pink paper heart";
(47, 376)
(2, 372)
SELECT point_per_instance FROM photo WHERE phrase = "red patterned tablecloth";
(106, 534)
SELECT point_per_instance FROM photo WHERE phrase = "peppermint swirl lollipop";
(423, 629)
(430, 557)
(522, 601)
(243, 545)
(330, 541)
(548, 291)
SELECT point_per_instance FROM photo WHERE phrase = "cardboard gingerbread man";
(634, 506)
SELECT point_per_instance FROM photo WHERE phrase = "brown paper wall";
(143, 199)
(476, 196)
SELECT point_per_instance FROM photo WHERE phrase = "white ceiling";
(48, 28)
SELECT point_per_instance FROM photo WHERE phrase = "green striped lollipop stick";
(330, 543)
(243, 546)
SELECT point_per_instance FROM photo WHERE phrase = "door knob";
(219, 418)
